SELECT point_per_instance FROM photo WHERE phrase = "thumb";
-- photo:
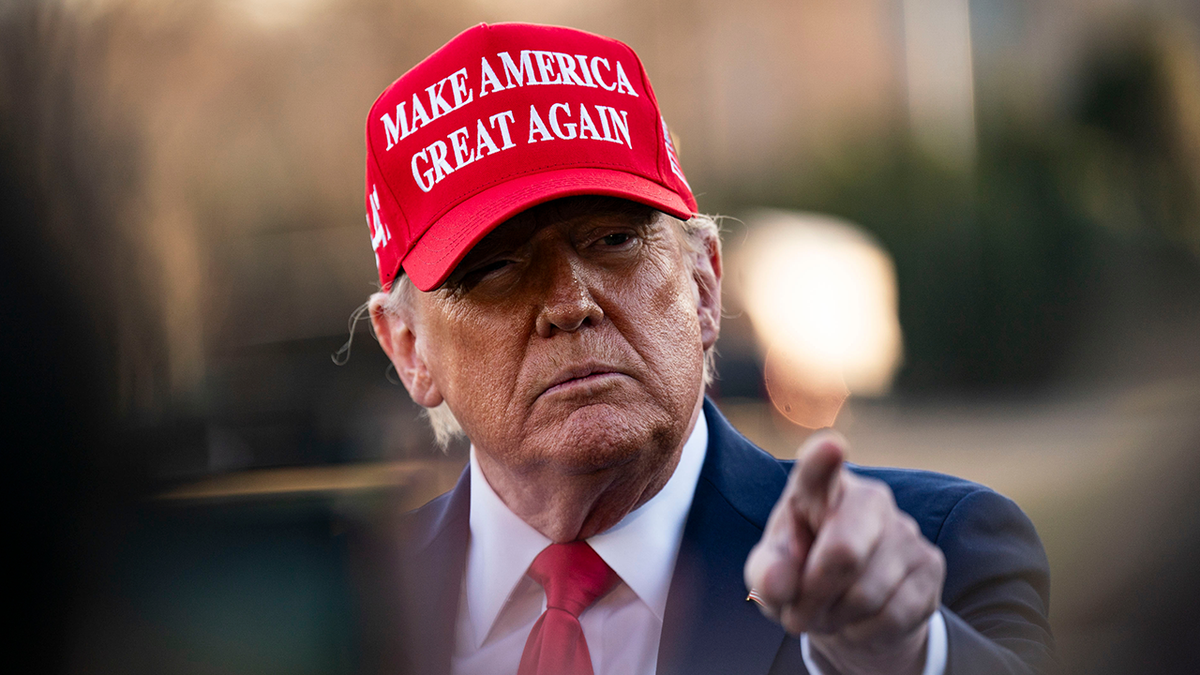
(818, 474)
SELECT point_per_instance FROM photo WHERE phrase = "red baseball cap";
(502, 118)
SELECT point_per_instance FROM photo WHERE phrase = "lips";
(579, 375)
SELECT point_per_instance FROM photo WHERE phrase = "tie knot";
(573, 575)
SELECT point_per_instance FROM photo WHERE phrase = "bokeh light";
(822, 297)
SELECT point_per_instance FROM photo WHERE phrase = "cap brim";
(448, 240)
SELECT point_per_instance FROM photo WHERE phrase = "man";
(550, 289)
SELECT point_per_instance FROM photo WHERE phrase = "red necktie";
(574, 577)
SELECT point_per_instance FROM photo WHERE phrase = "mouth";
(581, 378)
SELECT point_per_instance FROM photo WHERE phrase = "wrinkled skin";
(569, 343)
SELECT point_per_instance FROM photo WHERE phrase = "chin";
(601, 436)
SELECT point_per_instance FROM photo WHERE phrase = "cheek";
(683, 339)
(670, 333)
(475, 362)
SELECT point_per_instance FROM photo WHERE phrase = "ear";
(395, 329)
(707, 275)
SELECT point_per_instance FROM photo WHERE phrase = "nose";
(568, 303)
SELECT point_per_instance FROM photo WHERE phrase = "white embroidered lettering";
(427, 184)
(537, 126)
(439, 105)
(545, 64)
(554, 124)
(419, 117)
(566, 66)
(503, 119)
(596, 61)
(583, 68)
(379, 232)
(488, 78)
(623, 85)
(463, 155)
(437, 157)
(587, 128)
(513, 71)
(394, 131)
(458, 85)
(483, 140)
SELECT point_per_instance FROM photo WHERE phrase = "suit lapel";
(434, 563)
(709, 626)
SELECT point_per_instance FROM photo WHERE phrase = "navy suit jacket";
(995, 598)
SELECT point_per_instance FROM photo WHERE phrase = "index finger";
(815, 486)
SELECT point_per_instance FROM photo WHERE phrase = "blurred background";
(987, 215)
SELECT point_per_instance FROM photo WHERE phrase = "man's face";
(570, 339)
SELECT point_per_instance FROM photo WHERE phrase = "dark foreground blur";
(182, 241)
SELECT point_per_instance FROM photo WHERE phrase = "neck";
(569, 507)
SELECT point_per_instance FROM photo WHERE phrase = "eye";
(615, 239)
(484, 270)
(463, 282)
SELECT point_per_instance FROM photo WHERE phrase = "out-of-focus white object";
(822, 296)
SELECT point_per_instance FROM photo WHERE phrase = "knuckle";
(908, 526)
(792, 621)
(932, 560)
(842, 559)
(878, 490)
(938, 560)
(874, 492)
(894, 619)
(859, 602)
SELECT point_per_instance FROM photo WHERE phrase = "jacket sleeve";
(997, 593)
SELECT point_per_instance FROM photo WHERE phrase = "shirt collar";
(641, 548)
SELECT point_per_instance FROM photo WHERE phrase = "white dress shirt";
(500, 603)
